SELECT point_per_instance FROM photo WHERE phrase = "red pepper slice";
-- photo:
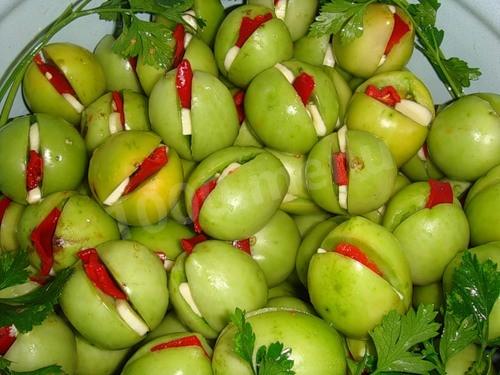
(118, 101)
(184, 83)
(400, 29)
(4, 204)
(188, 244)
(198, 198)
(249, 25)
(243, 245)
(7, 338)
(180, 343)
(276, 2)
(42, 237)
(356, 254)
(34, 170)
(239, 98)
(304, 85)
(441, 192)
(56, 77)
(179, 35)
(133, 63)
(96, 271)
(387, 95)
(340, 169)
(151, 165)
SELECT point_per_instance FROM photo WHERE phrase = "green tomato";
(371, 173)
(334, 278)
(164, 237)
(92, 360)
(279, 118)
(50, 343)
(214, 120)
(9, 225)
(429, 237)
(83, 72)
(97, 119)
(421, 168)
(170, 361)
(82, 224)
(95, 315)
(291, 303)
(116, 160)
(297, 14)
(430, 294)
(170, 324)
(464, 140)
(297, 200)
(305, 223)
(323, 354)
(119, 72)
(366, 55)
(402, 134)
(213, 273)
(268, 45)
(60, 146)
(246, 199)
(274, 248)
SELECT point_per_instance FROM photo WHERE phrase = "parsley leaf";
(32, 308)
(244, 340)
(274, 360)
(49, 370)
(457, 335)
(271, 360)
(476, 288)
(152, 41)
(341, 17)
(397, 335)
(13, 268)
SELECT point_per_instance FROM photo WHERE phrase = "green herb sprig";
(271, 360)
(151, 41)
(344, 18)
(406, 344)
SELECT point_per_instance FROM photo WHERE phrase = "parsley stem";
(432, 52)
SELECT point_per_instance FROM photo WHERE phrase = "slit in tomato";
(8, 336)
(440, 192)
(150, 166)
(387, 94)
(199, 197)
(353, 252)
(4, 204)
(188, 244)
(182, 342)
(42, 238)
(400, 29)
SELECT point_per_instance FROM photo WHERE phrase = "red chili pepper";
(7, 338)
(441, 192)
(399, 30)
(188, 244)
(34, 170)
(249, 25)
(4, 204)
(96, 271)
(151, 165)
(387, 95)
(239, 98)
(133, 63)
(179, 35)
(180, 343)
(304, 85)
(198, 198)
(184, 83)
(356, 254)
(118, 101)
(243, 245)
(54, 76)
(42, 237)
(340, 169)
